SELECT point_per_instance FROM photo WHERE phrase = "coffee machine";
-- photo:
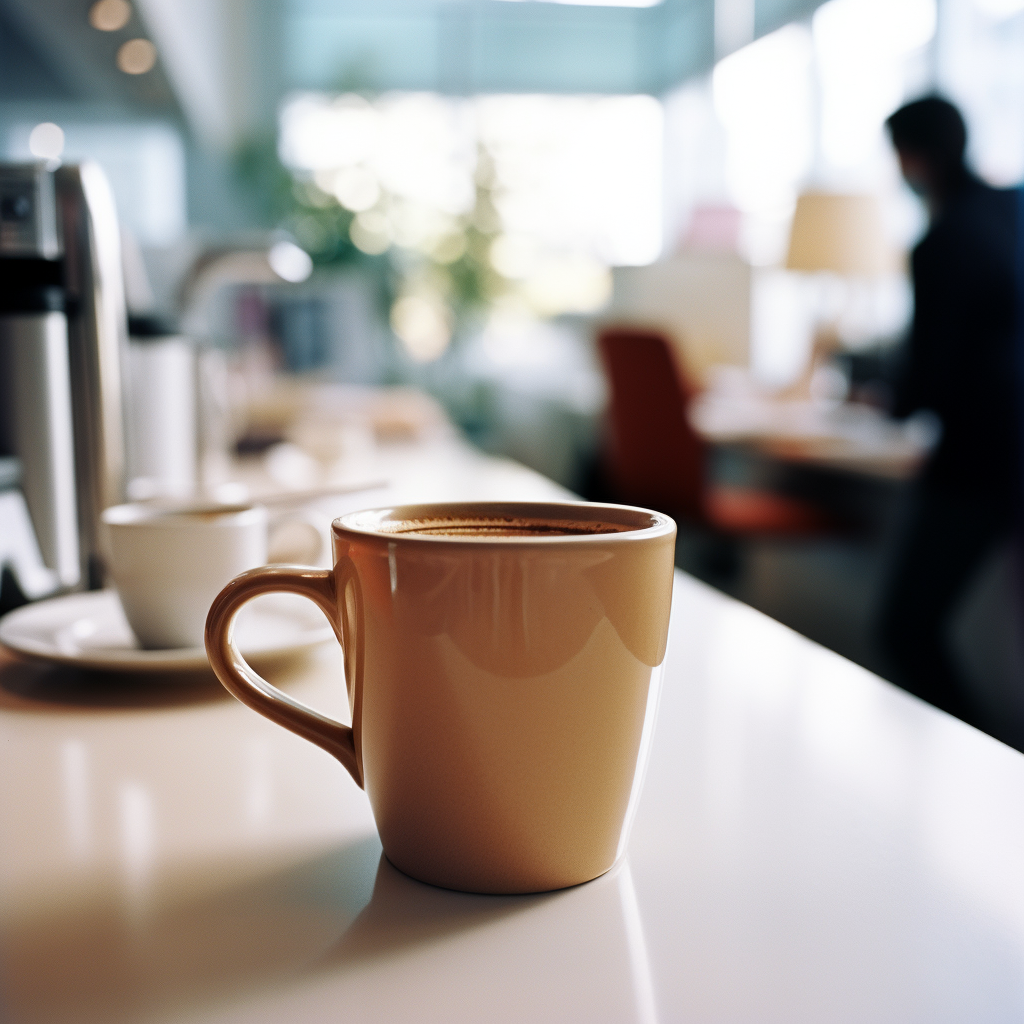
(63, 333)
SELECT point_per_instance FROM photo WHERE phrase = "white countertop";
(812, 845)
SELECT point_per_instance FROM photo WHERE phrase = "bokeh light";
(110, 15)
(422, 325)
(355, 188)
(289, 262)
(46, 141)
(136, 57)
(371, 233)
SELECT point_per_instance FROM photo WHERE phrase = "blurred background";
(657, 251)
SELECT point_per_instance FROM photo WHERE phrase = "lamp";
(839, 233)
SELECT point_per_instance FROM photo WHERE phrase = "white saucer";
(90, 631)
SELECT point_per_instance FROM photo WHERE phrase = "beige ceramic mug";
(502, 662)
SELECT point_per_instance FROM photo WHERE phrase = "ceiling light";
(136, 57)
(608, 3)
(110, 15)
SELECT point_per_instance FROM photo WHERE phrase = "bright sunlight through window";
(575, 182)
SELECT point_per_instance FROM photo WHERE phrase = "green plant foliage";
(457, 267)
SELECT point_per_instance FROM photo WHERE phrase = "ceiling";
(225, 64)
(472, 46)
(49, 53)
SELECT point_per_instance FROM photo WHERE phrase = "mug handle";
(251, 689)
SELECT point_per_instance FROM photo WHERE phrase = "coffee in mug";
(502, 662)
(498, 526)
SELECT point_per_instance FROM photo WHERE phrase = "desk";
(811, 845)
(846, 437)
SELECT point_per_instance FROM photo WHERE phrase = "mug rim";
(179, 514)
(659, 524)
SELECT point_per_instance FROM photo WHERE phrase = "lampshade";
(840, 233)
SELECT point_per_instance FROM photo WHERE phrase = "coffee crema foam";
(501, 526)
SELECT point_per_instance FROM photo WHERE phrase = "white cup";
(161, 414)
(168, 563)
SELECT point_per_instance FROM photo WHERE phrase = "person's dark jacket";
(960, 360)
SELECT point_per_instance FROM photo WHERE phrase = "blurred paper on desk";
(702, 300)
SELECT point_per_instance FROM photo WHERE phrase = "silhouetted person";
(959, 363)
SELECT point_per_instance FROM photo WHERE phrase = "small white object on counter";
(169, 563)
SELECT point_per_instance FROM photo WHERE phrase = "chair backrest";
(653, 457)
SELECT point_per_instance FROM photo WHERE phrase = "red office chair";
(654, 457)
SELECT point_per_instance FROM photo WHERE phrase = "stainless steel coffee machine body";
(63, 330)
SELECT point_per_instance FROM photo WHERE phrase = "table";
(829, 435)
(811, 845)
